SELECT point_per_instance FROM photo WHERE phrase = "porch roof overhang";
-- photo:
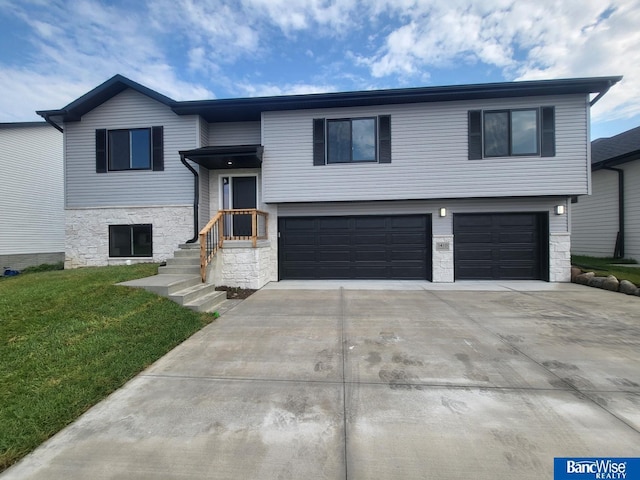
(226, 157)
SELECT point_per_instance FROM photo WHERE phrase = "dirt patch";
(236, 292)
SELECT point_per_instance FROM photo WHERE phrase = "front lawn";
(69, 338)
(604, 267)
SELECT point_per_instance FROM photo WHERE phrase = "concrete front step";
(189, 246)
(188, 252)
(184, 261)
(185, 290)
(165, 285)
(208, 302)
(179, 270)
(192, 293)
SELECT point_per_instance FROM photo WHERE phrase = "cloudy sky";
(53, 51)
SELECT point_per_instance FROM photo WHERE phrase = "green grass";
(603, 267)
(68, 339)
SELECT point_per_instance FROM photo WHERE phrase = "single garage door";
(355, 247)
(501, 246)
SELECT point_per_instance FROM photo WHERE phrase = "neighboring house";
(607, 223)
(437, 183)
(31, 195)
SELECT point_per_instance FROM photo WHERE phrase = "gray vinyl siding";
(204, 212)
(234, 133)
(32, 199)
(441, 226)
(129, 109)
(429, 156)
(594, 219)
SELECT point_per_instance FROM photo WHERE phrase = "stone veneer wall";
(238, 264)
(87, 232)
(442, 260)
(559, 257)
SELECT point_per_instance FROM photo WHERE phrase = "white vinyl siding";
(129, 109)
(32, 199)
(429, 156)
(632, 209)
(234, 133)
(594, 219)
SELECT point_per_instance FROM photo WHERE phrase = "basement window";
(130, 241)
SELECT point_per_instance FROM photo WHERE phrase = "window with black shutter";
(129, 149)
(352, 140)
(511, 133)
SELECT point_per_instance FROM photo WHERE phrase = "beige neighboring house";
(607, 223)
(31, 196)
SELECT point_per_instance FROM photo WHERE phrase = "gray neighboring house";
(31, 196)
(607, 223)
(463, 182)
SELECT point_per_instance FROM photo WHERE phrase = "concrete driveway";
(482, 381)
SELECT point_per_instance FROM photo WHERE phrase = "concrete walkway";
(343, 383)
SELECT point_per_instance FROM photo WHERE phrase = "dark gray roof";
(247, 109)
(615, 150)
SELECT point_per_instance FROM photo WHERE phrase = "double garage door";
(355, 247)
(487, 246)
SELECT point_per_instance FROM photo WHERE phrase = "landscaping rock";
(596, 281)
(611, 283)
(575, 271)
(584, 278)
(627, 287)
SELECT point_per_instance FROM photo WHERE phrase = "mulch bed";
(236, 292)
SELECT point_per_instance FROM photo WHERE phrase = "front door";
(243, 195)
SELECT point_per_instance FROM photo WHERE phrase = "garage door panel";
(529, 238)
(409, 239)
(498, 246)
(370, 223)
(331, 223)
(356, 247)
(470, 253)
(516, 220)
(417, 223)
(296, 239)
(407, 255)
(370, 239)
(473, 237)
(333, 240)
(483, 221)
(516, 254)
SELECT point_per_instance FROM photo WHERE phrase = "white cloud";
(186, 48)
(76, 46)
(523, 40)
(268, 89)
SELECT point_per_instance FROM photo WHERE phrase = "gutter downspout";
(196, 198)
(619, 248)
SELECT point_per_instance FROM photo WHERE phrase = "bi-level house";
(438, 183)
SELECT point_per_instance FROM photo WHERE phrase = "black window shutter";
(384, 132)
(475, 134)
(548, 148)
(101, 150)
(318, 141)
(157, 148)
